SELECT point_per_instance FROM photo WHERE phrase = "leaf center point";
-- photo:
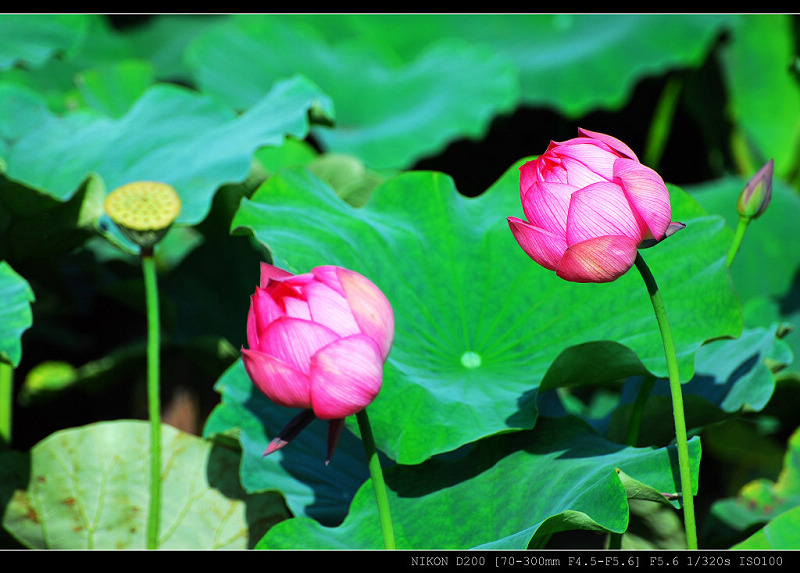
(470, 359)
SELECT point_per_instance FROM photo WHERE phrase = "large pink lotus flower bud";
(317, 341)
(590, 205)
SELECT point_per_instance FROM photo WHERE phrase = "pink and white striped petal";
(598, 210)
(372, 311)
(297, 308)
(612, 142)
(264, 310)
(294, 341)
(252, 327)
(546, 206)
(329, 275)
(346, 376)
(330, 309)
(528, 173)
(599, 260)
(647, 194)
(587, 163)
(543, 247)
(280, 382)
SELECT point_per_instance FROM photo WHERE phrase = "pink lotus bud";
(590, 205)
(755, 197)
(317, 341)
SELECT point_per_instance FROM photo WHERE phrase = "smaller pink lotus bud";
(755, 197)
(317, 341)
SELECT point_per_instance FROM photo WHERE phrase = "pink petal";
(294, 341)
(263, 310)
(330, 309)
(372, 311)
(279, 290)
(280, 382)
(297, 308)
(598, 210)
(543, 247)
(587, 163)
(599, 260)
(550, 168)
(528, 174)
(269, 271)
(252, 327)
(612, 142)
(328, 275)
(647, 194)
(346, 376)
(546, 205)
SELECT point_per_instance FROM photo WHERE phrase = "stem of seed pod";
(153, 396)
(677, 401)
(6, 397)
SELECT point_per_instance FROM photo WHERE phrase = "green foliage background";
(390, 144)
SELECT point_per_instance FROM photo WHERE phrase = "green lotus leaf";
(86, 488)
(763, 501)
(31, 39)
(15, 313)
(768, 258)
(170, 134)
(573, 63)
(389, 113)
(297, 471)
(764, 93)
(780, 533)
(477, 322)
(528, 485)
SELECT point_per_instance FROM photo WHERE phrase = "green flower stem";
(153, 396)
(376, 474)
(677, 401)
(737, 239)
(6, 396)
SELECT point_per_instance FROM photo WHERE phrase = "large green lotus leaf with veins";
(87, 488)
(504, 492)
(389, 112)
(477, 322)
(574, 63)
(170, 134)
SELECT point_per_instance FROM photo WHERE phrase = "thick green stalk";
(153, 396)
(6, 397)
(677, 401)
(737, 239)
(376, 474)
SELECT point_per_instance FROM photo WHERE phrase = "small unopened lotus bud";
(755, 197)
(143, 211)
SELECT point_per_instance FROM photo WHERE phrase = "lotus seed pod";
(143, 210)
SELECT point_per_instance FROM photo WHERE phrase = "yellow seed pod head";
(143, 210)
